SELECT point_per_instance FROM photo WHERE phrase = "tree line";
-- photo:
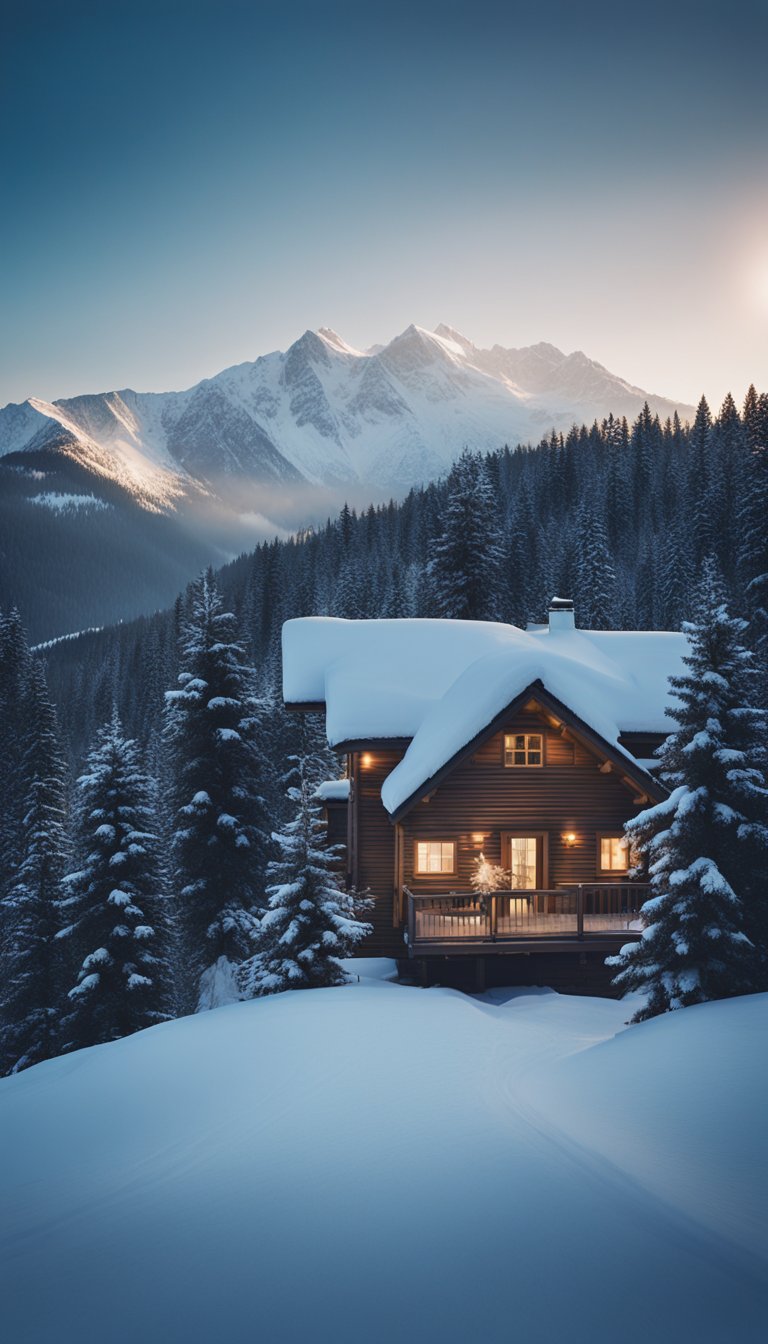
(140, 893)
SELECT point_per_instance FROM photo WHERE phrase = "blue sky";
(188, 185)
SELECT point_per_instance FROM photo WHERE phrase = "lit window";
(435, 856)
(523, 749)
(614, 854)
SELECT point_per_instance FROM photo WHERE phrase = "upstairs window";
(612, 854)
(523, 749)
(435, 856)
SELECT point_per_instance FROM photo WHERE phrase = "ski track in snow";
(369, 1163)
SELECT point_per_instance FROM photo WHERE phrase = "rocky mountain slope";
(110, 502)
(325, 414)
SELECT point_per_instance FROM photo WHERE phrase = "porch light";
(478, 837)
(366, 760)
(569, 839)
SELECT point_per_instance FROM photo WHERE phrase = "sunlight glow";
(754, 279)
(761, 286)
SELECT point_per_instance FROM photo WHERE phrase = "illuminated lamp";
(366, 760)
(569, 839)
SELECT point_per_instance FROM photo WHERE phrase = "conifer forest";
(157, 753)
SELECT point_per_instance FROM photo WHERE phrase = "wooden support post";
(398, 905)
(411, 921)
(580, 911)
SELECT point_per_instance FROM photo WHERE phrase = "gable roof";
(441, 682)
(410, 772)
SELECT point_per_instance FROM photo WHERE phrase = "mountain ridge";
(327, 414)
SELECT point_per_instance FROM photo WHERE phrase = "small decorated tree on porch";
(488, 877)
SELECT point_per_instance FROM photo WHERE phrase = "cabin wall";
(372, 863)
(568, 793)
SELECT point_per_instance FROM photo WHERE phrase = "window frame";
(612, 872)
(519, 765)
(435, 840)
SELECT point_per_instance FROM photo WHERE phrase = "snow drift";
(379, 1162)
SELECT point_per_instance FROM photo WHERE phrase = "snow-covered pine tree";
(30, 964)
(753, 531)
(467, 557)
(705, 845)
(15, 671)
(220, 842)
(617, 481)
(595, 580)
(312, 922)
(113, 906)
(674, 577)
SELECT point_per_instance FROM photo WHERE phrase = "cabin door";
(523, 862)
(525, 858)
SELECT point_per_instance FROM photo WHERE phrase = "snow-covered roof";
(379, 678)
(441, 682)
(333, 791)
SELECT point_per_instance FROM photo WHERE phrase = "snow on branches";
(705, 846)
(312, 922)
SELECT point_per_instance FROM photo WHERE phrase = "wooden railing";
(588, 909)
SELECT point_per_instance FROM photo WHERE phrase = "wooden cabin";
(488, 774)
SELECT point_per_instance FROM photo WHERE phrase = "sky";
(188, 184)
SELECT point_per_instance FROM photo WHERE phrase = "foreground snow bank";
(680, 1102)
(380, 1162)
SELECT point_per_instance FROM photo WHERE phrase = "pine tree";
(114, 908)
(312, 922)
(595, 577)
(15, 672)
(698, 477)
(30, 969)
(466, 561)
(705, 845)
(214, 732)
(753, 528)
(673, 579)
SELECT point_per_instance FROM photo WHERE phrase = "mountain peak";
(451, 334)
(325, 412)
(428, 342)
(337, 342)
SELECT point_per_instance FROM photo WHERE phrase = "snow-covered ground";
(378, 1162)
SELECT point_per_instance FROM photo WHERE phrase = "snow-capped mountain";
(110, 502)
(326, 414)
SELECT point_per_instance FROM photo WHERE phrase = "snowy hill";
(379, 1163)
(326, 414)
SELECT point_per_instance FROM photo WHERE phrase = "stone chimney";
(562, 617)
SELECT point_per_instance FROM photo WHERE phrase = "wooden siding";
(375, 843)
(568, 793)
(482, 796)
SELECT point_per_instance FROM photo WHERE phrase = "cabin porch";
(588, 914)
